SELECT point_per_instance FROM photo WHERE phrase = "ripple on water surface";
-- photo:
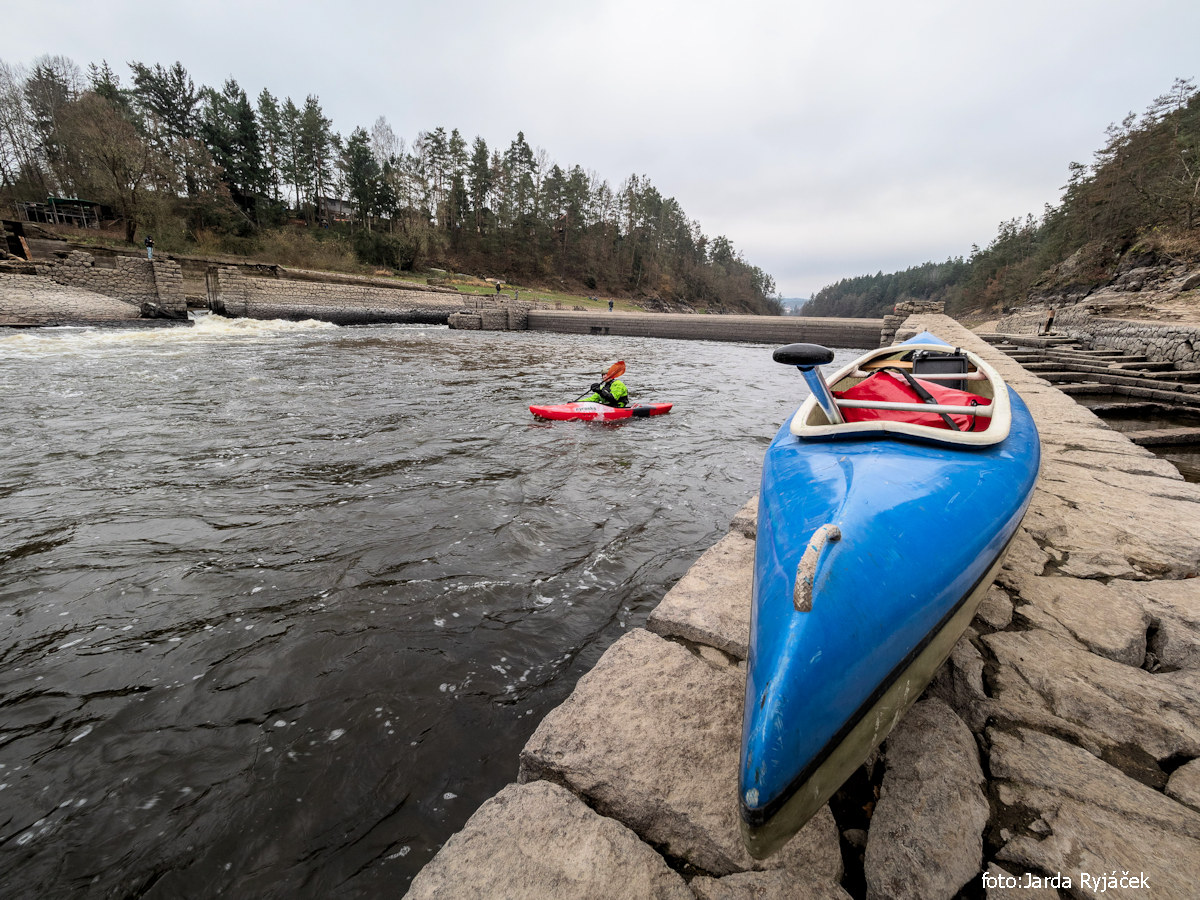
(281, 602)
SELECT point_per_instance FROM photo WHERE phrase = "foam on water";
(205, 327)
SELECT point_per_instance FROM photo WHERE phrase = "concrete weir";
(1058, 748)
(755, 329)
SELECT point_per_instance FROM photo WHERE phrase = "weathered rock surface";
(638, 744)
(710, 604)
(1083, 839)
(1037, 771)
(959, 682)
(1024, 555)
(773, 885)
(926, 836)
(1104, 618)
(1173, 608)
(538, 840)
(745, 520)
(1100, 523)
(1184, 784)
(995, 610)
(32, 300)
(1055, 684)
(1017, 891)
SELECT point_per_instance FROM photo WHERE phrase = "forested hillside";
(1140, 194)
(206, 169)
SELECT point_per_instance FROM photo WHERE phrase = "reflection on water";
(281, 602)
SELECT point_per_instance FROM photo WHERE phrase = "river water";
(281, 602)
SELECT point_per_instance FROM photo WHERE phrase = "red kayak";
(598, 412)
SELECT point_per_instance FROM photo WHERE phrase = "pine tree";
(362, 174)
(270, 128)
(167, 100)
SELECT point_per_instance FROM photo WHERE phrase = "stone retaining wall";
(1157, 341)
(902, 311)
(491, 314)
(155, 287)
(32, 301)
(1060, 740)
(758, 329)
(232, 292)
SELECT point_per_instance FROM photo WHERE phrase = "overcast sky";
(825, 139)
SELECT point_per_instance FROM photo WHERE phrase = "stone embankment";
(1149, 307)
(760, 329)
(1166, 342)
(148, 289)
(1058, 748)
(79, 289)
(27, 300)
(489, 314)
(343, 300)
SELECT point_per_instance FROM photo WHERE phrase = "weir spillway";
(842, 333)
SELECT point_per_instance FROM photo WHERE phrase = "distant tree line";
(1141, 193)
(164, 153)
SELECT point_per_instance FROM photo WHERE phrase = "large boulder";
(926, 835)
(651, 737)
(710, 604)
(1055, 684)
(537, 840)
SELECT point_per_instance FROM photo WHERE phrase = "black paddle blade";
(807, 355)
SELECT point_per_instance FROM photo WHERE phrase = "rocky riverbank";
(1057, 750)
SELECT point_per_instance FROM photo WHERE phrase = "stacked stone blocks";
(232, 292)
(861, 333)
(155, 288)
(1157, 341)
(902, 311)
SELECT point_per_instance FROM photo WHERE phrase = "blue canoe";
(877, 538)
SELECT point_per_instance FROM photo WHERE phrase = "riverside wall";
(34, 301)
(231, 291)
(1178, 344)
(134, 287)
(754, 329)
(120, 288)
(1057, 749)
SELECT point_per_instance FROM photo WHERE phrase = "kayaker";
(610, 393)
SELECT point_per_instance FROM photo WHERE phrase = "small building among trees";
(62, 211)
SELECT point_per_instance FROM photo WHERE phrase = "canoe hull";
(923, 529)
(598, 412)
(865, 732)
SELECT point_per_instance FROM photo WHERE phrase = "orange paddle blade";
(616, 370)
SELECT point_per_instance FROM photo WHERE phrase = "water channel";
(281, 602)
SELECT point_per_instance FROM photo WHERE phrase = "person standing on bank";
(610, 305)
(149, 247)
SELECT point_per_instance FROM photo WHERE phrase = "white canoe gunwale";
(810, 421)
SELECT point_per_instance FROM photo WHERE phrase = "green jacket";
(616, 394)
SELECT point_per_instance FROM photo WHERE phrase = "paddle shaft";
(606, 383)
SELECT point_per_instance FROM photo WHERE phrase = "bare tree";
(117, 164)
(18, 141)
